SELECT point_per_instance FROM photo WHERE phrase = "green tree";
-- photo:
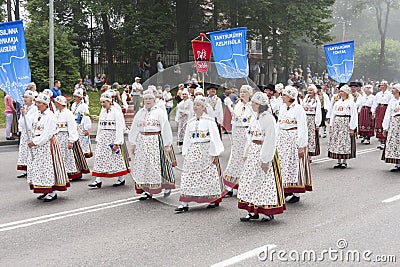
(65, 63)
(368, 54)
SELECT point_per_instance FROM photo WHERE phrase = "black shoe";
(212, 205)
(267, 218)
(338, 166)
(362, 141)
(395, 169)
(10, 138)
(167, 192)
(294, 199)
(181, 209)
(95, 184)
(250, 217)
(229, 194)
(41, 196)
(49, 199)
(367, 142)
(22, 175)
(344, 166)
(380, 147)
(119, 183)
(145, 197)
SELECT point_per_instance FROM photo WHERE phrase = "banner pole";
(203, 80)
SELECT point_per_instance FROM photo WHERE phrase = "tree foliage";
(367, 56)
(65, 63)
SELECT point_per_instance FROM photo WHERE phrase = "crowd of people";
(275, 129)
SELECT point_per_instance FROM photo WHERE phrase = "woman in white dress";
(260, 189)
(201, 180)
(67, 136)
(391, 129)
(241, 116)
(343, 122)
(110, 159)
(183, 114)
(312, 106)
(29, 114)
(46, 172)
(82, 118)
(151, 139)
(292, 146)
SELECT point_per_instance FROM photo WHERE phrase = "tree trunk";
(16, 12)
(109, 48)
(182, 31)
(381, 57)
(9, 13)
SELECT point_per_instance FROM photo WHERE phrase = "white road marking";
(392, 199)
(244, 256)
(360, 152)
(69, 213)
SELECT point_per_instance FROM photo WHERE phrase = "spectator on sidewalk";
(56, 89)
(9, 111)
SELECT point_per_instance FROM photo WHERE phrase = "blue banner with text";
(340, 60)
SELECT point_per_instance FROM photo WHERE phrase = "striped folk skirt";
(380, 115)
(313, 136)
(341, 144)
(365, 123)
(391, 152)
(80, 160)
(107, 163)
(201, 180)
(261, 192)
(152, 166)
(68, 156)
(236, 161)
(296, 172)
(46, 172)
(227, 122)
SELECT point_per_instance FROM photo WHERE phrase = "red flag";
(202, 53)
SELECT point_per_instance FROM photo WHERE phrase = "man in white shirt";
(137, 90)
(169, 100)
(215, 102)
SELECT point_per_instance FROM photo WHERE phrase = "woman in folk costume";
(229, 105)
(261, 190)
(365, 121)
(391, 129)
(29, 113)
(201, 180)
(378, 109)
(343, 122)
(73, 158)
(111, 159)
(292, 146)
(49, 93)
(82, 118)
(46, 172)
(312, 106)
(183, 114)
(151, 139)
(241, 116)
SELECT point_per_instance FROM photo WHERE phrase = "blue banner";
(340, 61)
(229, 51)
(15, 73)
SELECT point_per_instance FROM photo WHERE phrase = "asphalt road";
(349, 210)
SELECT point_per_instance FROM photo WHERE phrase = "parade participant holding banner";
(365, 121)
(261, 190)
(391, 130)
(312, 106)
(111, 159)
(82, 118)
(29, 114)
(151, 139)
(292, 146)
(46, 172)
(344, 121)
(241, 117)
(378, 110)
(201, 180)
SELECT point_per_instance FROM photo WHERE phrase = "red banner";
(202, 53)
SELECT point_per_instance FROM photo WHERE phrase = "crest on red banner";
(202, 53)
